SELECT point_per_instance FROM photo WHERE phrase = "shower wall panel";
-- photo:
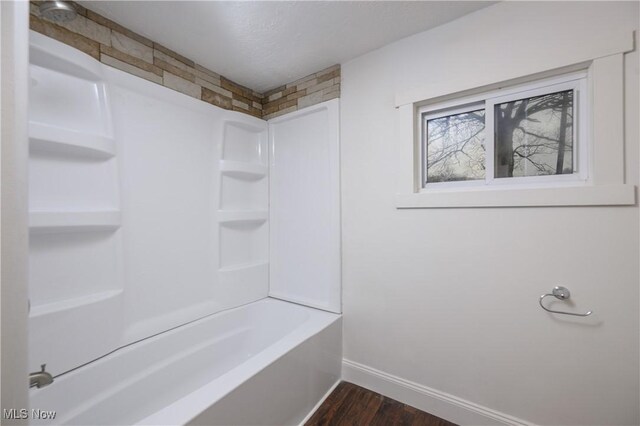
(305, 207)
(148, 208)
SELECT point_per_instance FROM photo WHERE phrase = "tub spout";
(40, 379)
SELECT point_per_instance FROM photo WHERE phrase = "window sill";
(598, 195)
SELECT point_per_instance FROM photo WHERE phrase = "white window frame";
(600, 54)
(576, 81)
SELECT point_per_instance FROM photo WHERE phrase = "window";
(528, 134)
(490, 147)
(455, 145)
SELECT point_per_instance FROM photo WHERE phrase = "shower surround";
(151, 250)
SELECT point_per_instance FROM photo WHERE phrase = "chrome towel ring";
(561, 293)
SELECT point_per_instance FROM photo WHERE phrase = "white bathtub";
(265, 363)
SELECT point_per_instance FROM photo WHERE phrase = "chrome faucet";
(40, 379)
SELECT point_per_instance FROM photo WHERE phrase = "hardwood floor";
(350, 404)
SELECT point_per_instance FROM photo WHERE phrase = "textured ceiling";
(264, 44)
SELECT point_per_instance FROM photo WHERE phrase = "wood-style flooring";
(350, 404)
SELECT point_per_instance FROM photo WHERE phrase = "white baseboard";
(315, 408)
(435, 402)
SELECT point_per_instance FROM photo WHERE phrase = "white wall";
(447, 298)
(14, 61)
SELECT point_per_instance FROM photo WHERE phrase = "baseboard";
(438, 403)
(315, 408)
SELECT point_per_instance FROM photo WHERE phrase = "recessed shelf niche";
(243, 243)
(244, 143)
(244, 201)
(241, 194)
(66, 101)
(68, 265)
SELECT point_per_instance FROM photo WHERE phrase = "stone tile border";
(310, 90)
(116, 46)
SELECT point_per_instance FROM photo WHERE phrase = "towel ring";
(561, 293)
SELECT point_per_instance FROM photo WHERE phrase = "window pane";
(534, 136)
(455, 147)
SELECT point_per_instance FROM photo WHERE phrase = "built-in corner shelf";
(73, 303)
(243, 170)
(242, 216)
(46, 138)
(62, 58)
(46, 222)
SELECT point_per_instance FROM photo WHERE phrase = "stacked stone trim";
(121, 48)
(310, 90)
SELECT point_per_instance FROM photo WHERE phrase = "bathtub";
(266, 363)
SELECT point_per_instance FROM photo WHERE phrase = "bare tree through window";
(533, 137)
(455, 147)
